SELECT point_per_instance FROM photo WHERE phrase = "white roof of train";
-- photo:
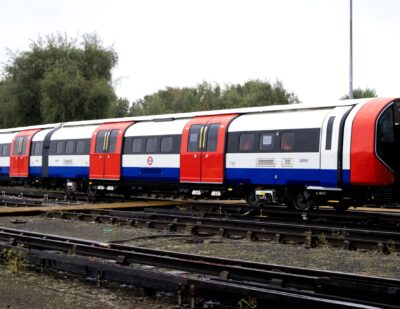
(244, 110)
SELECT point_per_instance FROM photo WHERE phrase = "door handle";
(201, 137)
(204, 137)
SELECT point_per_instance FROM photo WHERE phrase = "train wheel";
(303, 200)
(342, 206)
(251, 199)
(92, 192)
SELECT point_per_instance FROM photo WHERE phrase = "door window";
(100, 141)
(194, 136)
(20, 145)
(212, 137)
(113, 141)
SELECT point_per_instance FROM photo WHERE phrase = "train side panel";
(69, 152)
(279, 148)
(152, 152)
(5, 147)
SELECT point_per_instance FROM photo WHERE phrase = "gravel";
(28, 289)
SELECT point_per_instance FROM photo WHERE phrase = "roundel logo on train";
(150, 160)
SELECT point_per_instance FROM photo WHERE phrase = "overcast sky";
(160, 43)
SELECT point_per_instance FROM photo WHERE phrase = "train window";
(385, 127)
(329, 128)
(1, 149)
(80, 147)
(17, 146)
(193, 142)
(212, 137)
(37, 148)
(100, 139)
(113, 141)
(6, 150)
(23, 148)
(60, 147)
(386, 147)
(70, 147)
(137, 145)
(246, 142)
(166, 144)
(266, 141)
(287, 141)
(151, 145)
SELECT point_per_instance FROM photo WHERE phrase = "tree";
(118, 108)
(207, 96)
(359, 93)
(58, 80)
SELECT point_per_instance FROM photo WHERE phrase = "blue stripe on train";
(233, 175)
(69, 171)
(4, 171)
(35, 171)
(149, 174)
(287, 176)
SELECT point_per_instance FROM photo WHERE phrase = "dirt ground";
(32, 290)
(27, 289)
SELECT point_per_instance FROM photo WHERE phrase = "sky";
(181, 43)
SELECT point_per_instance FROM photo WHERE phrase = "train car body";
(298, 154)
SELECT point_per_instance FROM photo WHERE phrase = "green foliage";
(14, 260)
(359, 93)
(57, 80)
(208, 96)
(118, 108)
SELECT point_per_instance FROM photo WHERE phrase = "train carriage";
(69, 149)
(302, 155)
(152, 152)
(5, 146)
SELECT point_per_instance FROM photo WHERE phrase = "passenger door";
(106, 151)
(331, 160)
(19, 154)
(203, 149)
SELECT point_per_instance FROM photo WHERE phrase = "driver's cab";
(387, 142)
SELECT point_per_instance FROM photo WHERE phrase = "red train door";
(19, 153)
(106, 151)
(202, 157)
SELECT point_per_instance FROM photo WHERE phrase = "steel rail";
(306, 233)
(355, 218)
(307, 283)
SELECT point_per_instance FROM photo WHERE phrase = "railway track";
(308, 233)
(193, 277)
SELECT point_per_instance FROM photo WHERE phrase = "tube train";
(302, 155)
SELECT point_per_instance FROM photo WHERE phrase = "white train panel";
(67, 161)
(155, 128)
(273, 160)
(279, 121)
(150, 160)
(73, 133)
(39, 137)
(347, 136)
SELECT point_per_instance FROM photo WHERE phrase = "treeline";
(60, 79)
(207, 96)
(57, 80)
